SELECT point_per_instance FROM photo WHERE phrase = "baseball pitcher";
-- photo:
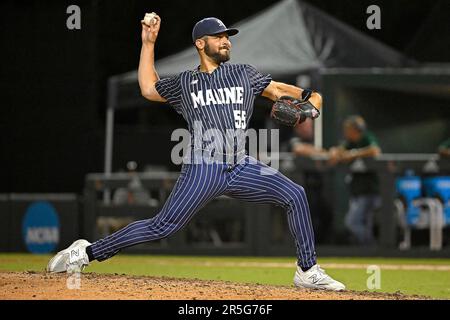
(216, 95)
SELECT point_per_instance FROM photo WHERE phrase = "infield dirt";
(92, 286)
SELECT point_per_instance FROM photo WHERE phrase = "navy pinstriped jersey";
(218, 102)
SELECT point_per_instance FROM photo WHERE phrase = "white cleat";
(316, 278)
(72, 259)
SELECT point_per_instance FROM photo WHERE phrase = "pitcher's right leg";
(196, 186)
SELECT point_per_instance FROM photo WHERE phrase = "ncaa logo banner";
(41, 227)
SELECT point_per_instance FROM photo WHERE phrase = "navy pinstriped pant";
(200, 183)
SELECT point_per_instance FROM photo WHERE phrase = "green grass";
(422, 282)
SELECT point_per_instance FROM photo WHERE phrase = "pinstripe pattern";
(200, 183)
(178, 92)
(248, 184)
(232, 87)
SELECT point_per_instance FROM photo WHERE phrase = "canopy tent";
(287, 39)
(437, 48)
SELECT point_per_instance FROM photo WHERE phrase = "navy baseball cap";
(210, 26)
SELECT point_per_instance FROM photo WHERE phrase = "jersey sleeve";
(346, 145)
(371, 140)
(367, 140)
(170, 89)
(445, 144)
(258, 81)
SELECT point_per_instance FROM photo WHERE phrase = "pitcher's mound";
(37, 285)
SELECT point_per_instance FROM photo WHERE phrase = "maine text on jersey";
(221, 96)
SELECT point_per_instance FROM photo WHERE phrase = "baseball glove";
(289, 111)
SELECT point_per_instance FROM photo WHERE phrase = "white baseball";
(149, 18)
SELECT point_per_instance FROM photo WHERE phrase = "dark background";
(53, 80)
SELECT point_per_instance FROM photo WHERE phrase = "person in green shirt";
(363, 186)
(444, 149)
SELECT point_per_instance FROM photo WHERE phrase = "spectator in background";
(134, 193)
(302, 144)
(364, 193)
(444, 149)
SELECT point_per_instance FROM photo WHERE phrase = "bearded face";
(218, 53)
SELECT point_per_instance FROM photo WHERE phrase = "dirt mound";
(42, 286)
